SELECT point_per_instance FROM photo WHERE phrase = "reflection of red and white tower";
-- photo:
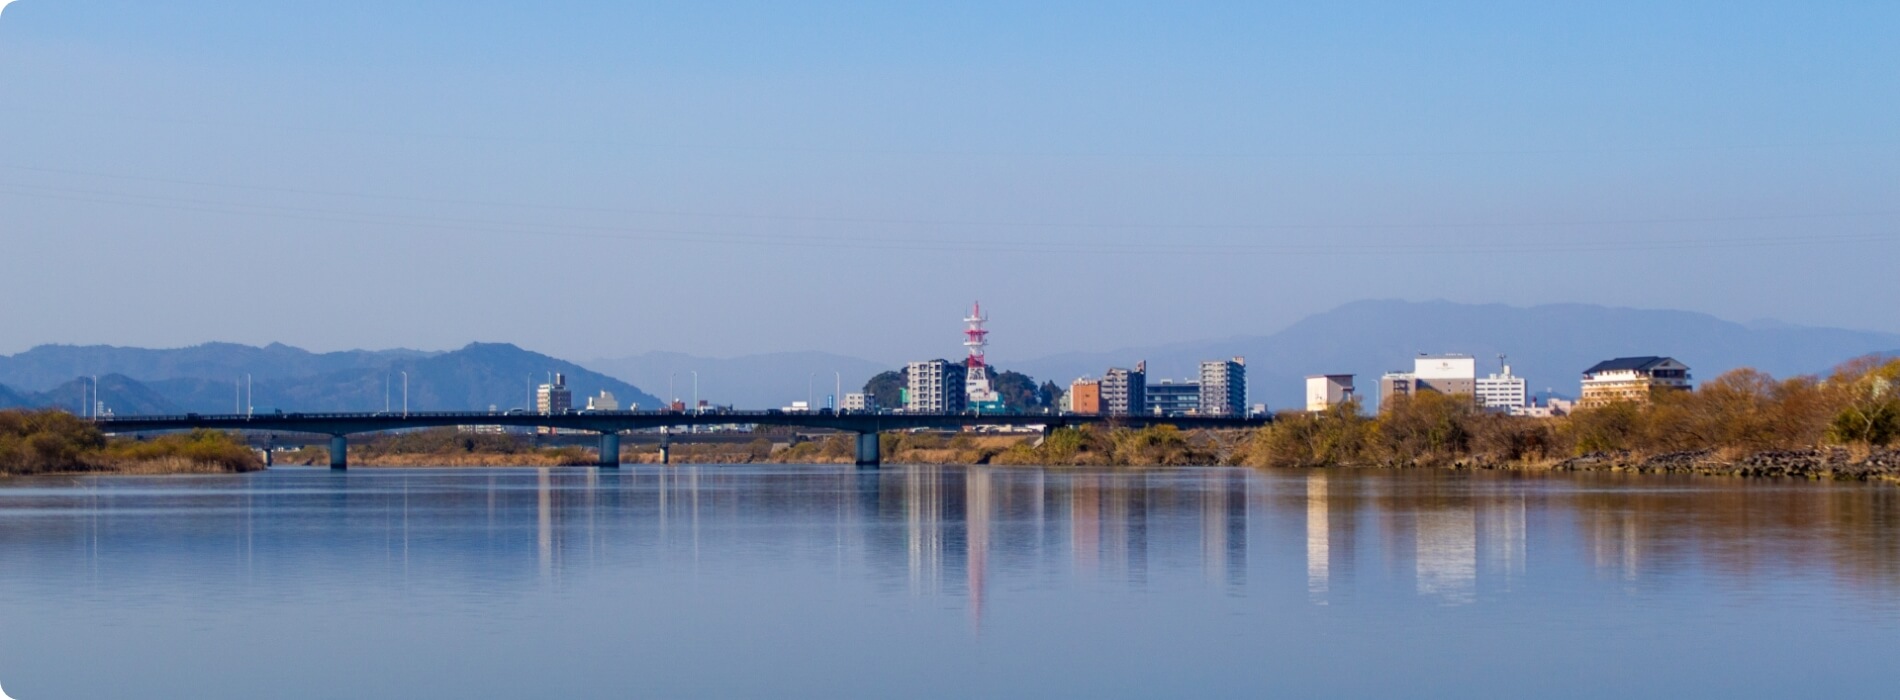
(976, 384)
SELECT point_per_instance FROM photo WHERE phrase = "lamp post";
(405, 394)
(94, 406)
(808, 395)
(837, 392)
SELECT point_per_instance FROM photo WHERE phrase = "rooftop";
(1629, 364)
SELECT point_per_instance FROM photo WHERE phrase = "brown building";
(1085, 397)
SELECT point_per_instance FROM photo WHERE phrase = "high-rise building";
(1172, 398)
(1224, 387)
(1124, 391)
(1085, 397)
(936, 386)
(552, 399)
(1324, 391)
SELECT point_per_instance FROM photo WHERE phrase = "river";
(944, 582)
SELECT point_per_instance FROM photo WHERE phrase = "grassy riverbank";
(1743, 423)
(445, 447)
(54, 442)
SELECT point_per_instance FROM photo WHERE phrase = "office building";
(1124, 391)
(1172, 398)
(1324, 391)
(1224, 388)
(936, 386)
(552, 399)
(1631, 379)
(859, 402)
(1085, 397)
(1503, 391)
(1446, 374)
(1442, 374)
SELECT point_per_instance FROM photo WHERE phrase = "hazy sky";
(597, 179)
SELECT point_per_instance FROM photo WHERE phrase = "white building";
(859, 401)
(1324, 391)
(1446, 374)
(1503, 391)
(936, 386)
(1224, 387)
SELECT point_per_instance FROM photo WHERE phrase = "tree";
(887, 388)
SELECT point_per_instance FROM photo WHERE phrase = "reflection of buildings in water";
(1502, 527)
(544, 512)
(1224, 527)
(1085, 523)
(931, 516)
(1125, 527)
(1108, 524)
(1319, 548)
(1614, 543)
(1331, 517)
(976, 504)
(925, 530)
(1447, 558)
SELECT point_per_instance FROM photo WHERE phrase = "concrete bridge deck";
(610, 424)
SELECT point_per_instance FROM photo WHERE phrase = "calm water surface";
(944, 582)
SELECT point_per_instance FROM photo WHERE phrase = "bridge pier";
(666, 446)
(339, 452)
(610, 450)
(869, 450)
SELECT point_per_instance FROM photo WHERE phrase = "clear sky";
(597, 179)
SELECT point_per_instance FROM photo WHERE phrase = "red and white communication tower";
(976, 383)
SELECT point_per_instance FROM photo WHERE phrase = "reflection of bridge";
(610, 424)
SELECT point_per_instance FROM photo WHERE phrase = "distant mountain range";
(752, 381)
(1549, 345)
(210, 379)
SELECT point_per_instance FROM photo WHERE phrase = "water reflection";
(951, 533)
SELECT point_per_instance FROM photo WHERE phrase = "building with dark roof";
(1631, 379)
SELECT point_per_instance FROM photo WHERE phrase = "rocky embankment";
(1840, 464)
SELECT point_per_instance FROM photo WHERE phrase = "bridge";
(610, 424)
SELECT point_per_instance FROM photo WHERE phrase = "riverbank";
(36, 443)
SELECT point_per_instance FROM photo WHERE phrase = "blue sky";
(597, 179)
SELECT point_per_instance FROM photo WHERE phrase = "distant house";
(1631, 379)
